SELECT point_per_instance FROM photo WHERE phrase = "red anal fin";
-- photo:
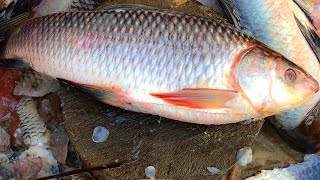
(198, 98)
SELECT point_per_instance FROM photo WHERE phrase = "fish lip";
(317, 86)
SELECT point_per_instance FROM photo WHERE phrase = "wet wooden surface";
(175, 149)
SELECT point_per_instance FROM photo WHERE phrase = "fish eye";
(290, 75)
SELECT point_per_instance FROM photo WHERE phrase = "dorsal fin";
(311, 36)
(304, 5)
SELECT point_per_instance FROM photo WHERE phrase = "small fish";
(308, 169)
(283, 26)
(32, 125)
(34, 84)
(162, 62)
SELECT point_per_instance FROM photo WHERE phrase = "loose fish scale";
(132, 49)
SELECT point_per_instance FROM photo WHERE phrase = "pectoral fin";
(198, 98)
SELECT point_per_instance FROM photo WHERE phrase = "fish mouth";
(314, 87)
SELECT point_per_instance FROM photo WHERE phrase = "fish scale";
(132, 57)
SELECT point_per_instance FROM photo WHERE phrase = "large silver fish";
(279, 24)
(163, 62)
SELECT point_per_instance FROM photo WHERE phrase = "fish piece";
(59, 141)
(308, 169)
(32, 125)
(125, 57)
(5, 162)
(27, 166)
(37, 161)
(34, 84)
(272, 24)
(4, 140)
(46, 7)
(6, 167)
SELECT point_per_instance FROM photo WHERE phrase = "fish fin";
(14, 64)
(128, 6)
(112, 96)
(311, 37)
(84, 5)
(198, 98)
(304, 5)
(231, 17)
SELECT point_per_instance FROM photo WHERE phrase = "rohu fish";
(161, 62)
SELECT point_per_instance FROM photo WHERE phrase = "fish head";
(271, 83)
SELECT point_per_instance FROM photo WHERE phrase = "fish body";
(163, 62)
(274, 24)
(308, 169)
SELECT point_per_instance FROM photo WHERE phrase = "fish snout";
(314, 86)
